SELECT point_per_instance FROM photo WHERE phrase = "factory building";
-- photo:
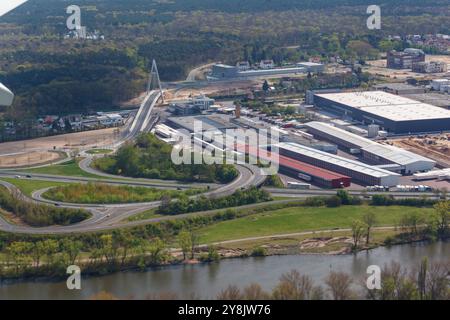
(222, 71)
(430, 67)
(404, 59)
(358, 171)
(312, 67)
(301, 170)
(395, 114)
(318, 176)
(405, 162)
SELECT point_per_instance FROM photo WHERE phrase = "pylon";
(154, 82)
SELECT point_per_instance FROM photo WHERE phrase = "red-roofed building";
(304, 171)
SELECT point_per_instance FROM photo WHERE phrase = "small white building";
(243, 65)
(267, 64)
(437, 83)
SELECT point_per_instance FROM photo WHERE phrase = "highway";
(105, 217)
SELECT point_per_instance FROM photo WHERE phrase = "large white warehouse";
(381, 154)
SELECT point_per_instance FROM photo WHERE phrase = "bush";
(333, 202)
(38, 215)
(259, 252)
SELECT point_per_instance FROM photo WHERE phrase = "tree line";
(38, 215)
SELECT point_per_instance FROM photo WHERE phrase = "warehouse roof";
(311, 170)
(388, 105)
(396, 155)
(366, 98)
(337, 160)
(393, 154)
(340, 133)
(298, 165)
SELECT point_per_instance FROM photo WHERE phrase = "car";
(29, 176)
(18, 177)
(57, 205)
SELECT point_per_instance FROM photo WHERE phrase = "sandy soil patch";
(36, 151)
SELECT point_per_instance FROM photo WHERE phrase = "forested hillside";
(53, 75)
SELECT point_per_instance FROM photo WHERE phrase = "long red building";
(304, 171)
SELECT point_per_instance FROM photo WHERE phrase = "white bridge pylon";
(154, 82)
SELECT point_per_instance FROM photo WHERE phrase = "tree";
(442, 217)
(370, 220)
(184, 241)
(195, 239)
(339, 285)
(72, 248)
(156, 251)
(109, 248)
(37, 252)
(410, 221)
(294, 286)
(265, 86)
(358, 230)
(344, 196)
(50, 247)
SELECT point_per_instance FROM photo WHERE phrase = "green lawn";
(29, 186)
(99, 151)
(150, 214)
(292, 220)
(69, 168)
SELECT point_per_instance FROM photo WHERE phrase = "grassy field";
(98, 193)
(292, 220)
(99, 151)
(69, 168)
(150, 214)
(29, 186)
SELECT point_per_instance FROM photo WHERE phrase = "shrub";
(259, 252)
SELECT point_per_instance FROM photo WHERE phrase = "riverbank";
(208, 280)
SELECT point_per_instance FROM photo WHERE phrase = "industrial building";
(396, 114)
(404, 59)
(443, 174)
(358, 171)
(215, 122)
(399, 88)
(193, 105)
(318, 176)
(301, 170)
(395, 159)
(223, 71)
(429, 67)
(312, 67)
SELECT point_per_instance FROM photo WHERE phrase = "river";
(206, 280)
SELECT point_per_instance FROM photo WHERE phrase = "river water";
(206, 280)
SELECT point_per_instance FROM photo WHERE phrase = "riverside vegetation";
(145, 246)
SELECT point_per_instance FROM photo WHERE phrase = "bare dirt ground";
(436, 147)
(28, 159)
(211, 89)
(36, 151)
(378, 67)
